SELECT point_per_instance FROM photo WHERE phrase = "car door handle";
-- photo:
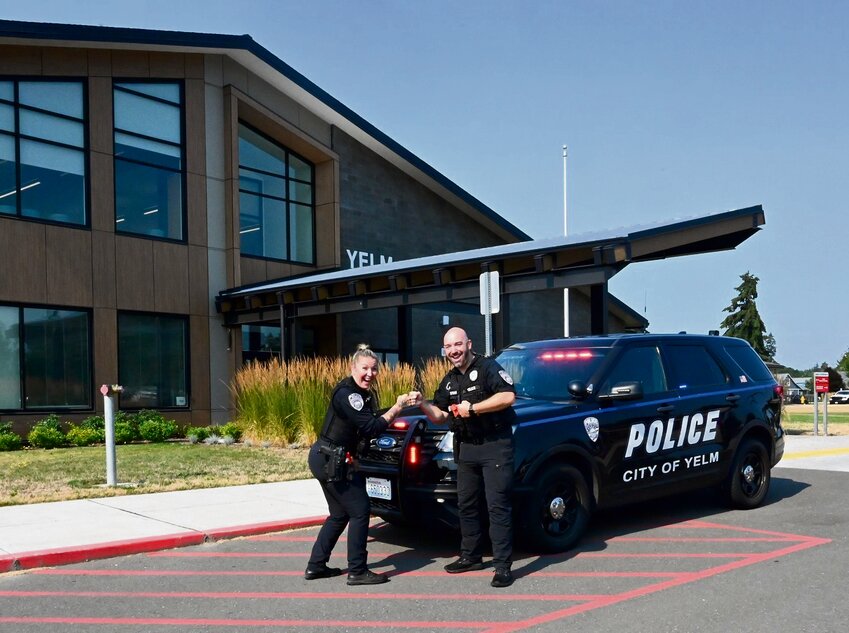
(665, 408)
(732, 397)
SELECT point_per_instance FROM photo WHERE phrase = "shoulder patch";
(505, 377)
(356, 401)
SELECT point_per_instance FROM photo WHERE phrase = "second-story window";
(43, 150)
(276, 217)
(149, 159)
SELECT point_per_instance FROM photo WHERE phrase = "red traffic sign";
(821, 381)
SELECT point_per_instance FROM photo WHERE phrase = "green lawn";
(797, 422)
(36, 475)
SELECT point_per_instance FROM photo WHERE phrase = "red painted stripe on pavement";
(230, 555)
(373, 624)
(442, 574)
(83, 553)
(653, 588)
(696, 539)
(265, 595)
(696, 524)
(379, 556)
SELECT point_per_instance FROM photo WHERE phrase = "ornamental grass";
(284, 402)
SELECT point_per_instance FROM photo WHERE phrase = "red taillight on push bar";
(401, 425)
(413, 454)
(779, 391)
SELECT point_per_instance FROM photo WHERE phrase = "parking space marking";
(654, 571)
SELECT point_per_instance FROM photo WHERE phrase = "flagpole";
(566, 233)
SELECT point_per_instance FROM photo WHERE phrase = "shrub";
(200, 433)
(157, 430)
(47, 433)
(129, 425)
(124, 432)
(9, 440)
(94, 423)
(82, 436)
(231, 429)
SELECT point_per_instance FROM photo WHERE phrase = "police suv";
(600, 421)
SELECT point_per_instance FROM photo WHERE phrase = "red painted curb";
(7, 563)
(264, 528)
(83, 553)
(69, 555)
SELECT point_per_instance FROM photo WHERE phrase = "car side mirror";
(578, 389)
(632, 390)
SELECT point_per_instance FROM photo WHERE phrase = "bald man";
(476, 398)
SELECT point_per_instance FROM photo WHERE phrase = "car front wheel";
(558, 510)
(749, 479)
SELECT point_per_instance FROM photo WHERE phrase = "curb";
(84, 553)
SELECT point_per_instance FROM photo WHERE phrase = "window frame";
(184, 318)
(22, 360)
(183, 172)
(17, 136)
(288, 201)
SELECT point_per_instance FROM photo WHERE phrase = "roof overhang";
(524, 267)
(243, 50)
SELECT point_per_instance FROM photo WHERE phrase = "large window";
(45, 358)
(276, 200)
(149, 159)
(153, 361)
(43, 150)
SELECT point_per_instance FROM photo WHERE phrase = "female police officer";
(350, 417)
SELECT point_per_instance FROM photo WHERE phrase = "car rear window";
(749, 362)
(692, 366)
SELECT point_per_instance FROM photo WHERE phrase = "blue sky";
(670, 110)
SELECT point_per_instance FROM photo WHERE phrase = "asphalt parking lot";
(685, 564)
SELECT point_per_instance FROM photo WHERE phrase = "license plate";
(378, 488)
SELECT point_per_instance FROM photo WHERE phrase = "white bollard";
(109, 392)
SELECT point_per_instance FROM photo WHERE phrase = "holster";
(335, 468)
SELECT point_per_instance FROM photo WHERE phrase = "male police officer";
(476, 398)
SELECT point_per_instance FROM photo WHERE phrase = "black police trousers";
(349, 506)
(486, 469)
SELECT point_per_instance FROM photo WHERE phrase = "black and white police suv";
(601, 421)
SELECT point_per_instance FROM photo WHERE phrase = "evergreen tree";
(843, 363)
(744, 321)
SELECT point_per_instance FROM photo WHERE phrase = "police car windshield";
(545, 373)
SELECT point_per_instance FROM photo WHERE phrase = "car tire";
(749, 479)
(558, 509)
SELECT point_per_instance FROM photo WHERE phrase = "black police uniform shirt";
(483, 378)
(351, 415)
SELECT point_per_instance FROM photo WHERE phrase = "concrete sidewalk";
(47, 534)
(59, 533)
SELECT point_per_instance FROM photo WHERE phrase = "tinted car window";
(637, 364)
(749, 362)
(692, 366)
(546, 373)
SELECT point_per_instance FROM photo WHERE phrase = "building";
(143, 172)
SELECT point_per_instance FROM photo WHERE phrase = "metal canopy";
(562, 262)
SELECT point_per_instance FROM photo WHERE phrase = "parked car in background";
(839, 397)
